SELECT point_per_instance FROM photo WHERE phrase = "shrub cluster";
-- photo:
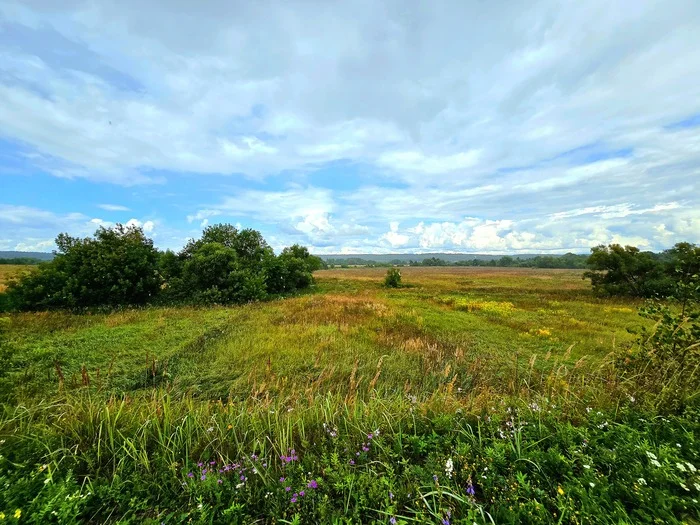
(120, 267)
(626, 270)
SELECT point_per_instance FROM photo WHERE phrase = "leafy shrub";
(618, 270)
(393, 278)
(666, 360)
(120, 267)
(116, 267)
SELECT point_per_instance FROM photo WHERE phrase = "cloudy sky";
(353, 127)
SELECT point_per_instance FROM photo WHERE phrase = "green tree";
(618, 270)
(118, 266)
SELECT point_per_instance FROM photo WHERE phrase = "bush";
(666, 359)
(627, 271)
(393, 278)
(116, 267)
(120, 267)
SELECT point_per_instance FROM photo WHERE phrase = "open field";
(8, 271)
(470, 395)
(468, 328)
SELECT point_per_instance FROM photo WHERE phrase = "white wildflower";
(449, 467)
(642, 481)
(650, 455)
(655, 463)
(691, 467)
(591, 484)
(681, 467)
(586, 466)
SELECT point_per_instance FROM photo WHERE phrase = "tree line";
(568, 260)
(20, 260)
(120, 267)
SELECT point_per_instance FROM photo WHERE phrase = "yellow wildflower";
(2, 515)
(18, 514)
(560, 491)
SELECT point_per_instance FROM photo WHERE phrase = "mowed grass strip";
(454, 329)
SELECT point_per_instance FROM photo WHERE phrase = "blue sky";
(365, 127)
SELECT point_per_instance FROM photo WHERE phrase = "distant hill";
(43, 256)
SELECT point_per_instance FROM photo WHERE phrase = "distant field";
(462, 328)
(8, 271)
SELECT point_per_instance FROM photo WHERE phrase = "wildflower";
(560, 491)
(294, 499)
(243, 478)
(697, 486)
(445, 521)
(203, 477)
(592, 484)
(435, 478)
(392, 520)
(655, 463)
(365, 449)
(391, 495)
(313, 484)
(190, 475)
(240, 485)
(287, 489)
(586, 466)
(281, 480)
(2, 515)
(18, 514)
(369, 436)
(210, 429)
(681, 467)
(302, 493)
(678, 445)
(691, 467)
(352, 462)
(650, 455)
(204, 471)
(449, 467)
(642, 481)
(219, 481)
(268, 494)
(470, 488)
(229, 427)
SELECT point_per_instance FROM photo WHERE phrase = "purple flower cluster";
(212, 469)
(291, 456)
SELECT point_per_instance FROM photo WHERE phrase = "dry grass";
(10, 271)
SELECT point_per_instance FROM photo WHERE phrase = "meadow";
(468, 395)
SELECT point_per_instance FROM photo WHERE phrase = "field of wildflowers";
(465, 396)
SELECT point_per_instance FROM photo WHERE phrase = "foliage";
(120, 267)
(393, 278)
(618, 270)
(116, 267)
(20, 260)
(665, 363)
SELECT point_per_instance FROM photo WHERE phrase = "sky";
(353, 127)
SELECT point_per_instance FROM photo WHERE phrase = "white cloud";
(113, 207)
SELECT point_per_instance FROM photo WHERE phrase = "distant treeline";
(568, 260)
(21, 260)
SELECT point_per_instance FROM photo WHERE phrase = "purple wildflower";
(287, 489)
(219, 481)
(200, 464)
(313, 484)
(294, 500)
(445, 522)
(302, 493)
(352, 462)
(212, 463)
(470, 489)
(281, 480)
(365, 449)
(435, 478)
(391, 495)
(370, 436)
(204, 471)
(203, 477)
(392, 520)
(243, 478)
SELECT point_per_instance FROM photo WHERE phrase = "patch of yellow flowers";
(17, 515)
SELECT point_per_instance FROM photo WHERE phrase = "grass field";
(468, 328)
(469, 395)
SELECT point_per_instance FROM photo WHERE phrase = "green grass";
(506, 372)
(437, 331)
